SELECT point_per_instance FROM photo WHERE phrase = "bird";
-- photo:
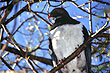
(66, 35)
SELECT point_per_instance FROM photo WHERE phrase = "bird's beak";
(49, 16)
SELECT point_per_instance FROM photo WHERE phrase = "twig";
(38, 66)
(95, 7)
(6, 63)
(106, 35)
(30, 64)
(18, 13)
(25, 33)
(41, 18)
(3, 48)
(22, 24)
(17, 61)
(44, 7)
(101, 29)
(56, 5)
(1, 34)
(101, 64)
(85, 3)
(12, 38)
(40, 40)
(15, 20)
(8, 10)
(6, 53)
(88, 12)
(32, 57)
(90, 18)
(100, 43)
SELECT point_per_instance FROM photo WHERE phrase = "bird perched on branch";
(66, 35)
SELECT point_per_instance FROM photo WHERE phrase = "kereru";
(66, 35)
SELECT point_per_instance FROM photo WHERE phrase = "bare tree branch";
(6, 63)
(7, 11)
(30, 64)
(32, 57)
(17, 14)
(90, 18)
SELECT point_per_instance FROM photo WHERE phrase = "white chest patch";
(65, 39)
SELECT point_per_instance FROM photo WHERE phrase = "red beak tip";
(48, 17)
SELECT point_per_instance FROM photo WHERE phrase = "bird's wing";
(54, 58)
(87, 49)
(53, 55)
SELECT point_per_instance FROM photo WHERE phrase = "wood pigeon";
(66, 35)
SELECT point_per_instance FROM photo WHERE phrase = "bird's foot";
(61, 62)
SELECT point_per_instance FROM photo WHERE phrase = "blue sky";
(72, 10)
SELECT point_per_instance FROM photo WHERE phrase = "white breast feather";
(65, 39)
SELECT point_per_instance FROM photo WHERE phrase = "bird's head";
(58, 13)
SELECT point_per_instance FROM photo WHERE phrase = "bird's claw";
(61, 62)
